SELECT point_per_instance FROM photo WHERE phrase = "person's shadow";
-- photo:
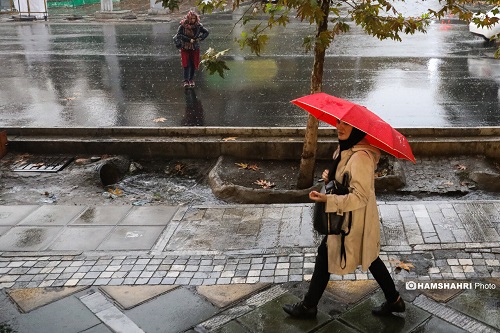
(194, 110)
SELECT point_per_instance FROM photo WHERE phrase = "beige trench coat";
(362, 245)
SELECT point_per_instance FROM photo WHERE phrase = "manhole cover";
(42, 164)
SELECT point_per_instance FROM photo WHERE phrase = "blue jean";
(189, 70)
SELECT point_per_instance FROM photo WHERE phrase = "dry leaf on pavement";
(115, 191)
(231, 138)
(400, 264)
(461, 167)
(160, 120)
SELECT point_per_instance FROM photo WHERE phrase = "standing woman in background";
(190, 32)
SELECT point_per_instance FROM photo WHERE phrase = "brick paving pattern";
(275, 244)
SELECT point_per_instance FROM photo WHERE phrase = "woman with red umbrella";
(356, 157)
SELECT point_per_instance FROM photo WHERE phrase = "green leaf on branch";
(170, 4)
(255, 41)
(212, 61)
(208, 6)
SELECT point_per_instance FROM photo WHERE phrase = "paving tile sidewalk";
(203, 251)
(202, 245)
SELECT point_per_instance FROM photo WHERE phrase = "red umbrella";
(380, 134)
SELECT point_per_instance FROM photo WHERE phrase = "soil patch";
(262, 174)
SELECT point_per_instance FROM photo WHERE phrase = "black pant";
(321, 276)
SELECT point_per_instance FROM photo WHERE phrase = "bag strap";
(343, 234)
(343, 254)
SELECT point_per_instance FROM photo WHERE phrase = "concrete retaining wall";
(248, 142)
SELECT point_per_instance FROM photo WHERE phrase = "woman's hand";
(324, 176)
(316, 196)
(192, 40)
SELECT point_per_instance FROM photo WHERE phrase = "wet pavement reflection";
(129, 74)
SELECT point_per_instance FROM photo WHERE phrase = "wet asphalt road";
(129, 74)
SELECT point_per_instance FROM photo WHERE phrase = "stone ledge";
(240, 194)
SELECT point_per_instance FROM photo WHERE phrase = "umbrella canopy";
(380, 134)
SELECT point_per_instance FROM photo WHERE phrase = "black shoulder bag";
(331, 223)
(177, 41)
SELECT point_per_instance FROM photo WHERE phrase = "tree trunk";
(308, 157)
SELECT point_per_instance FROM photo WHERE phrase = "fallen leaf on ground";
(160, 120)
(448, 184)
(461, 167)
(399, 265)
(264, 183)
(242, 165)
(115, 191)
(246, 166)
(231, 138)
(253, 167)
(180, 168)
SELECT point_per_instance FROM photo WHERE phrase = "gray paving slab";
(68, 315)
(108, 313)
(10, 215)
(8, 310)
(232, 327)
(101, 328)
(133, 237)
(80, 238)
(270, 317)
(412, 318)
(451, 315)
(4, 230)
(28, 238)
(486, 310)
(52, 215)
(155, 215)
(175, 311)
(336, 327)
(101, 215)
(435, 325)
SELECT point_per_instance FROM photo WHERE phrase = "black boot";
(299, 311)
(387, 308)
